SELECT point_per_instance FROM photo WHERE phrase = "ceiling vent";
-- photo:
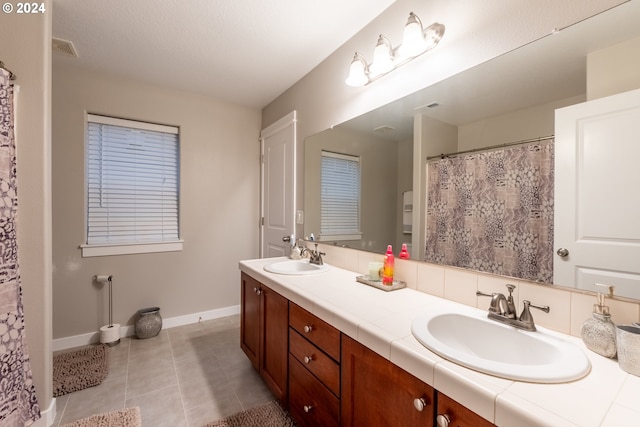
(64, 47)
(385, 129)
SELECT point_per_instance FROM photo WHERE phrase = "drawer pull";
(258, 291)
(420, 403)
(308, 328)
(307, 408)
(308, 359)
(443, 420)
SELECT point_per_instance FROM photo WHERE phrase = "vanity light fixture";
(416, 41)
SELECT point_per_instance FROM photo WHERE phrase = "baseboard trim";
(128, 330)
(48, 416)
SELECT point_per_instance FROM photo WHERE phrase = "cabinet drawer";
(458, 415)
(319, 332)
(310, 403)
(318, 363)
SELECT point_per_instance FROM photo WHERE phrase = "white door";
(278, 186)
(597, 187)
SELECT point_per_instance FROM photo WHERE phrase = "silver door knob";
(419, 403)
(286, 239)
(443, 420)
(562, 252)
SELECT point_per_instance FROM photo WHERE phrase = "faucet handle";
(526, 313)
(544, 308)
(482, 294)
(510, 288)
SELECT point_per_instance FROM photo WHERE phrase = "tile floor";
(185, 377)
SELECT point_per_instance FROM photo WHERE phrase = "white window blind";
(132, 182)
(340, 197)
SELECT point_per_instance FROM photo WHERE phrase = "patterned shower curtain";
(18, 402)
(493, 211)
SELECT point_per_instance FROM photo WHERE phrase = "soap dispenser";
(599, 332)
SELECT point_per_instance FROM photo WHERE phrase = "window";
(132, 187)
(340, 197)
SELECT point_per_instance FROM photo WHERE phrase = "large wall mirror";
(510, 98)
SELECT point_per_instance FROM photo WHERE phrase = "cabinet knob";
(443, 420)
(420, 403)
(257, 290)
(308, 328)
(308, 359)
(307, 408)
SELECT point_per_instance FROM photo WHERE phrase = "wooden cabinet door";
(458, 415)
(375, 392)
(264, 333)
(250, 319)
(274, 342)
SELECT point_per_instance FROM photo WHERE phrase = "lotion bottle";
(387, 268)
(599, 332)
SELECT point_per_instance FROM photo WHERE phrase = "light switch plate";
(299, 217)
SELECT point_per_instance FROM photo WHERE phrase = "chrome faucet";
(503, 309)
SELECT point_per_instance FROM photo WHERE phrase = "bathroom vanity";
(333, 380)
(336, 352)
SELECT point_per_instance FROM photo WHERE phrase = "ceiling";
(243, 51)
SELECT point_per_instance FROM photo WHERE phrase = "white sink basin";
(472, 340)
(295, 267)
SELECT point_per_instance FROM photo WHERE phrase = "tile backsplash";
(569, 308)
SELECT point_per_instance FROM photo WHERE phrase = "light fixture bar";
(417, 41)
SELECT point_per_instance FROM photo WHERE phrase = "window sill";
(127, 249)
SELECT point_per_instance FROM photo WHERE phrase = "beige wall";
(614, 70)
(534, 122)
(25, 48)
(219, 204)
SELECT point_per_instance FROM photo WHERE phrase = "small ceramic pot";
(149, 322)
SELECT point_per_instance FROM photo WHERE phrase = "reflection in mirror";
(510, 98)
(385, 173)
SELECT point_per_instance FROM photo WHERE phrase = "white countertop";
(381, 320)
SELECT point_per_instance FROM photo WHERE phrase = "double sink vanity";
(336, 352)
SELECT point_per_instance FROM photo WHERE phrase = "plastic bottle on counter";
(387, 268)
(404, 253)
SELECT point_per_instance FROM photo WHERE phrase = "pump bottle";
(599, 332)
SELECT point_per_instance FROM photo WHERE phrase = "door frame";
(288, 120)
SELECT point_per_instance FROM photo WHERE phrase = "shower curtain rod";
(508, 144)
(11, 75)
